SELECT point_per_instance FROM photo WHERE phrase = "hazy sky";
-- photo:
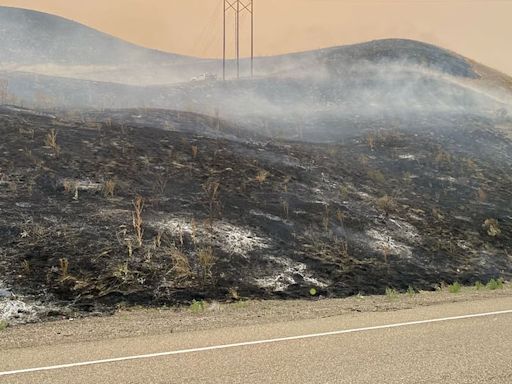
(479, 29)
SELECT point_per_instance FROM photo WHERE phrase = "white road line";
(248, 343)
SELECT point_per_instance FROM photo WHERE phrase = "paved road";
(461, 350)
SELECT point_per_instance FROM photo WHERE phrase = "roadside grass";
(391, 293)
(494, 284)
(454, 288)
(3, 325)
(359, 296)
(197, 306)
(392, 299)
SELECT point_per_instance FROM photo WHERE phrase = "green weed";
(197, 306)
(494, 284)
(479, 286)
(454, 288)
(391, 293)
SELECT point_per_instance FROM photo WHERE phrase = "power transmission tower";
(238, 7)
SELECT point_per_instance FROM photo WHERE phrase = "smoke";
(302, 99)
(318, 95)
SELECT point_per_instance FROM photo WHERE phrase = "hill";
(319, 95)
(31, 37)
(224, 216)
(46, 44)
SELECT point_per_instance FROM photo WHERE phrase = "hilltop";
(30, 37)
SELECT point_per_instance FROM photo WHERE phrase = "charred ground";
(225, 216)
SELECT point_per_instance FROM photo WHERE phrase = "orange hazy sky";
(478, 29)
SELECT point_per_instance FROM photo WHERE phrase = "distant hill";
(29, 37)
(41, 43)
(378, 52)
(53, 62)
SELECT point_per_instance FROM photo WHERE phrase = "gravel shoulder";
(133, 322)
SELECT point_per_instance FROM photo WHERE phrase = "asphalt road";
(389, 347)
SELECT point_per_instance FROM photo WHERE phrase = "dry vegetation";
(138, 206)
(109, 188)
(51, 142)
(387, 204)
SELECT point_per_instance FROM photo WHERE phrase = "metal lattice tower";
(238, 7)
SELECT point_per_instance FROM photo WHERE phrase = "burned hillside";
(98, 210)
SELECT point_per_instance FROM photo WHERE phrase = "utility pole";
(224, 45)
(238, 7)
(238, 39)
(252, 38)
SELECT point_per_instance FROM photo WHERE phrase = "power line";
(210, 32)
(200, 42)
